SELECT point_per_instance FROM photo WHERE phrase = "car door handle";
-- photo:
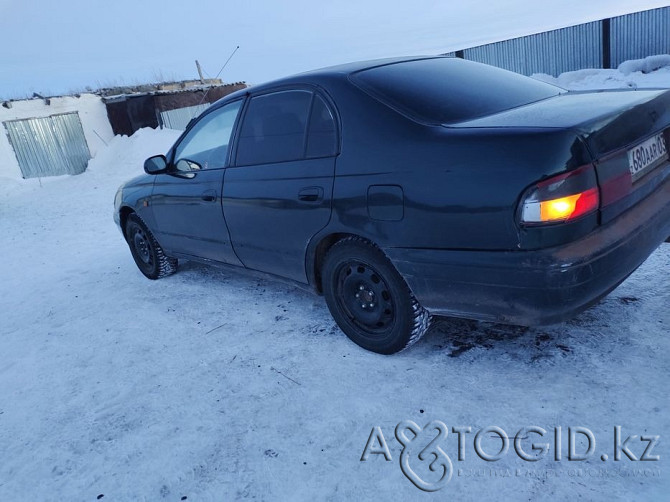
(209, 196)
(311, 194)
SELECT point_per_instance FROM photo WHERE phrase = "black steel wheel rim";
(365, 298)
(142, 247)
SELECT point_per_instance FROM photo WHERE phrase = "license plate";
(647, 155)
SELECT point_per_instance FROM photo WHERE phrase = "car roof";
(418, 88)
(349, 68)
(314, 76)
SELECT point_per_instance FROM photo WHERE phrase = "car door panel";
(186, 200)
(278, 196)
(188, 215)
(273, 210)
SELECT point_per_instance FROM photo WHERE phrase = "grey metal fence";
(641, 34)
(545, 52)
(49, 146)
(600, 44)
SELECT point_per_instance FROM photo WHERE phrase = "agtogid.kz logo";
(426, 464)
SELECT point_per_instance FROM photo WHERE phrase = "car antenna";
(217, 75)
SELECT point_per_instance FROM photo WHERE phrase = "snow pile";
(647, 65)
(119, 160)
(127, 154)
(650, 72)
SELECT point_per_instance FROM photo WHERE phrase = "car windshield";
(449, 90)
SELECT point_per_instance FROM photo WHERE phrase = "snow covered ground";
(214, 385)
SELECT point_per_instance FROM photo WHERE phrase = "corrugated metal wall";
(550, 52)
(49, 146)
(179, 118)
(589, 45)
(641, 34)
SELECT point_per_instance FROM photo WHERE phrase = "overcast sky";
(64, 46)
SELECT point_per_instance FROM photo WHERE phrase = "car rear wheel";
(369, 299)
(147, 253)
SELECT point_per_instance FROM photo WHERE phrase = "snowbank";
(647, 65)
(650, 72)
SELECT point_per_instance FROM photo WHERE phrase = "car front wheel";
(369, 299)
(147, 253)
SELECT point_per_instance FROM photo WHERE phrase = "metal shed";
(49, 146)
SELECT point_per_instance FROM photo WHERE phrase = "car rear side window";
(322, 134)
(274, 128)
(450, 90)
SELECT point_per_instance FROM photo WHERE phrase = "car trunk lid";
(627, 134)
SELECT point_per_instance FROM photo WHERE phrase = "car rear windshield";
(449, 90)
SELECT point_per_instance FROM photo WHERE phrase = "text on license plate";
(645, 155)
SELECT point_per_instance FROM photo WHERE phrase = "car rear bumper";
(541, 286)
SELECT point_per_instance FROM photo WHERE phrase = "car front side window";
(205, 146)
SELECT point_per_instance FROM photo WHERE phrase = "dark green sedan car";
(406, 188)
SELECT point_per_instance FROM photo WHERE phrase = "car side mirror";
(155, 165)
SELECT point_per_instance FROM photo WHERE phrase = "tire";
(147, 253)
(369, 299)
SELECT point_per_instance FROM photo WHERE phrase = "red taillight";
(561, 198)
